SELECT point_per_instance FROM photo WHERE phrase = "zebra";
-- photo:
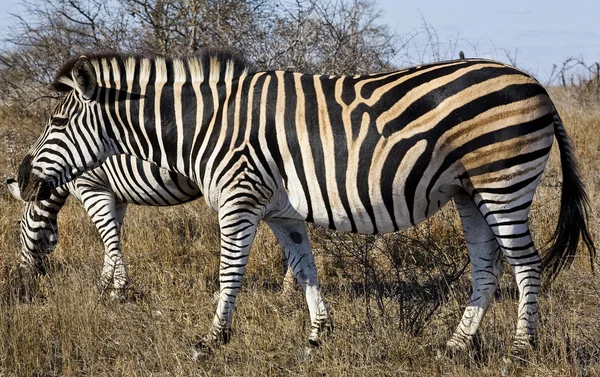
(370, 154)
(105, 193)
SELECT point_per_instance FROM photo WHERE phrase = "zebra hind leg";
(292, 235)
(507, 217)
(486, 265)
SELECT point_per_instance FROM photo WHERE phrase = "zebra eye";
(60, 122)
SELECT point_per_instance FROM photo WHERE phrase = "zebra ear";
(84, 77)
(13, 188)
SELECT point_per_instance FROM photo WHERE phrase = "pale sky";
(541, 32)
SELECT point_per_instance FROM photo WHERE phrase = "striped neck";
(153, 108)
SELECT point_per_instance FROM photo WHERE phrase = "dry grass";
(71, 330)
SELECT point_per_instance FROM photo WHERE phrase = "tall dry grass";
(71, 329)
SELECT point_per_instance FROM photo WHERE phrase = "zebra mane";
(207, 64)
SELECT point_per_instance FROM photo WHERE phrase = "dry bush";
(341, 37)
(580, 79)
(403, 277)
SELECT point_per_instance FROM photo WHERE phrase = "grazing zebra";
(368, 154)
(105, 193)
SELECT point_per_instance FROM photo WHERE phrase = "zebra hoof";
(460, 350)
(117, 295)
(314, 343)
(519, 354)
(453, 351)
(322, 330)
(522, 347)
(202, 350)
(455, 347)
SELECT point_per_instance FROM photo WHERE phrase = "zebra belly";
(376, 216)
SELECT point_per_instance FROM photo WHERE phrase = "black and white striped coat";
(368, 154)
(105, 193)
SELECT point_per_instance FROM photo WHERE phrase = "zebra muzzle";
(31, 186)
(35, 189)
(24, 174)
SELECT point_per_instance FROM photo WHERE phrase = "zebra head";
(39, 230)
(72, 141)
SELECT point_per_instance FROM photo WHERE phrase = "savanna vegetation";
(394, 299)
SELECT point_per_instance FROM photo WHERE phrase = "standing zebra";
(105, 193)
(367, 154)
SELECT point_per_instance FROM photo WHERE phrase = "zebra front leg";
(107, 215)
(238, 228)
(120, 279)
(292, 235)
(486, 263)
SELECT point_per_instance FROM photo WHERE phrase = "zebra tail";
(574, 206)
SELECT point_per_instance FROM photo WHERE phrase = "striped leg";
(107, 214)
(486, 263)
(293, 237)
(238, 228)
(120, 277)
(507, 216)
